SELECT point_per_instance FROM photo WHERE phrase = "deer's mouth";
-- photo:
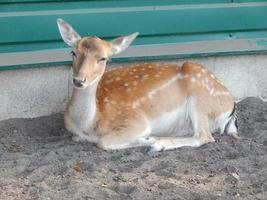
(82, 84)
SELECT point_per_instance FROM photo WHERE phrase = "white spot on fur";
(146, 76)
(135, 104)
(204, 70)
(207, 86)
(186, 76)
(108, 81)
(106, 99)
(135, 83)
(149, 95)
(219, 82)
(221, 93)
(211, 91)
(193, 79)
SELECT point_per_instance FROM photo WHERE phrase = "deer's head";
(90, 54)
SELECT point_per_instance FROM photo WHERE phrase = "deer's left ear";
(121, 43)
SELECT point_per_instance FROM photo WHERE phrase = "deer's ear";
(68, 34)
(121, 43)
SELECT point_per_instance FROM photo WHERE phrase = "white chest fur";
(81, 112)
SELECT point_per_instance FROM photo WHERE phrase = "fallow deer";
(142, 104)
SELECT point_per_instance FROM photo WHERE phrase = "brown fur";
(140, 79)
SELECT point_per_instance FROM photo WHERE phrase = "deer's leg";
(134, 133)
(125, 138)
(231, 128)
(167, 143)
(202, 135)
(78, 135)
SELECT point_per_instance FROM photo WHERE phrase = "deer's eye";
(73, 53)
(102, 59)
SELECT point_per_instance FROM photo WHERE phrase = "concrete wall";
(33, 92)
(42, 91)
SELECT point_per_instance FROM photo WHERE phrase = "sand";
(38, 160)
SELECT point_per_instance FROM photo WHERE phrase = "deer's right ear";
(68, 34)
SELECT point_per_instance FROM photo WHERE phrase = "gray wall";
(42, 91)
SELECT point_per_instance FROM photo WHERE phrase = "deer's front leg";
(78, 134)
(134, 133)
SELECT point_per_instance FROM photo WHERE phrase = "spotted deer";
(142, 104)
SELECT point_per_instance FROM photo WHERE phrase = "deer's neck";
(82, 107)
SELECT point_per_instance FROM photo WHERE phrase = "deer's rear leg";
(202, 135)
(167, 143)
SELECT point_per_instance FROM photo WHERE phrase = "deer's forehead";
(93, 45)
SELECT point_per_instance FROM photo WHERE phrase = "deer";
(143, 103)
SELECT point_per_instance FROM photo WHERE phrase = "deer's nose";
(78, 82)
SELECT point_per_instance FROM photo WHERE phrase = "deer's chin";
(80, 87)
(94, 81)
(86, 84)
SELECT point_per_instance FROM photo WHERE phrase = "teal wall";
(30, 25)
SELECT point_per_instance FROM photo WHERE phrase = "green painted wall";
(30, 25)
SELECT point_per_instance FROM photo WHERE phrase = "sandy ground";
(38, 160)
